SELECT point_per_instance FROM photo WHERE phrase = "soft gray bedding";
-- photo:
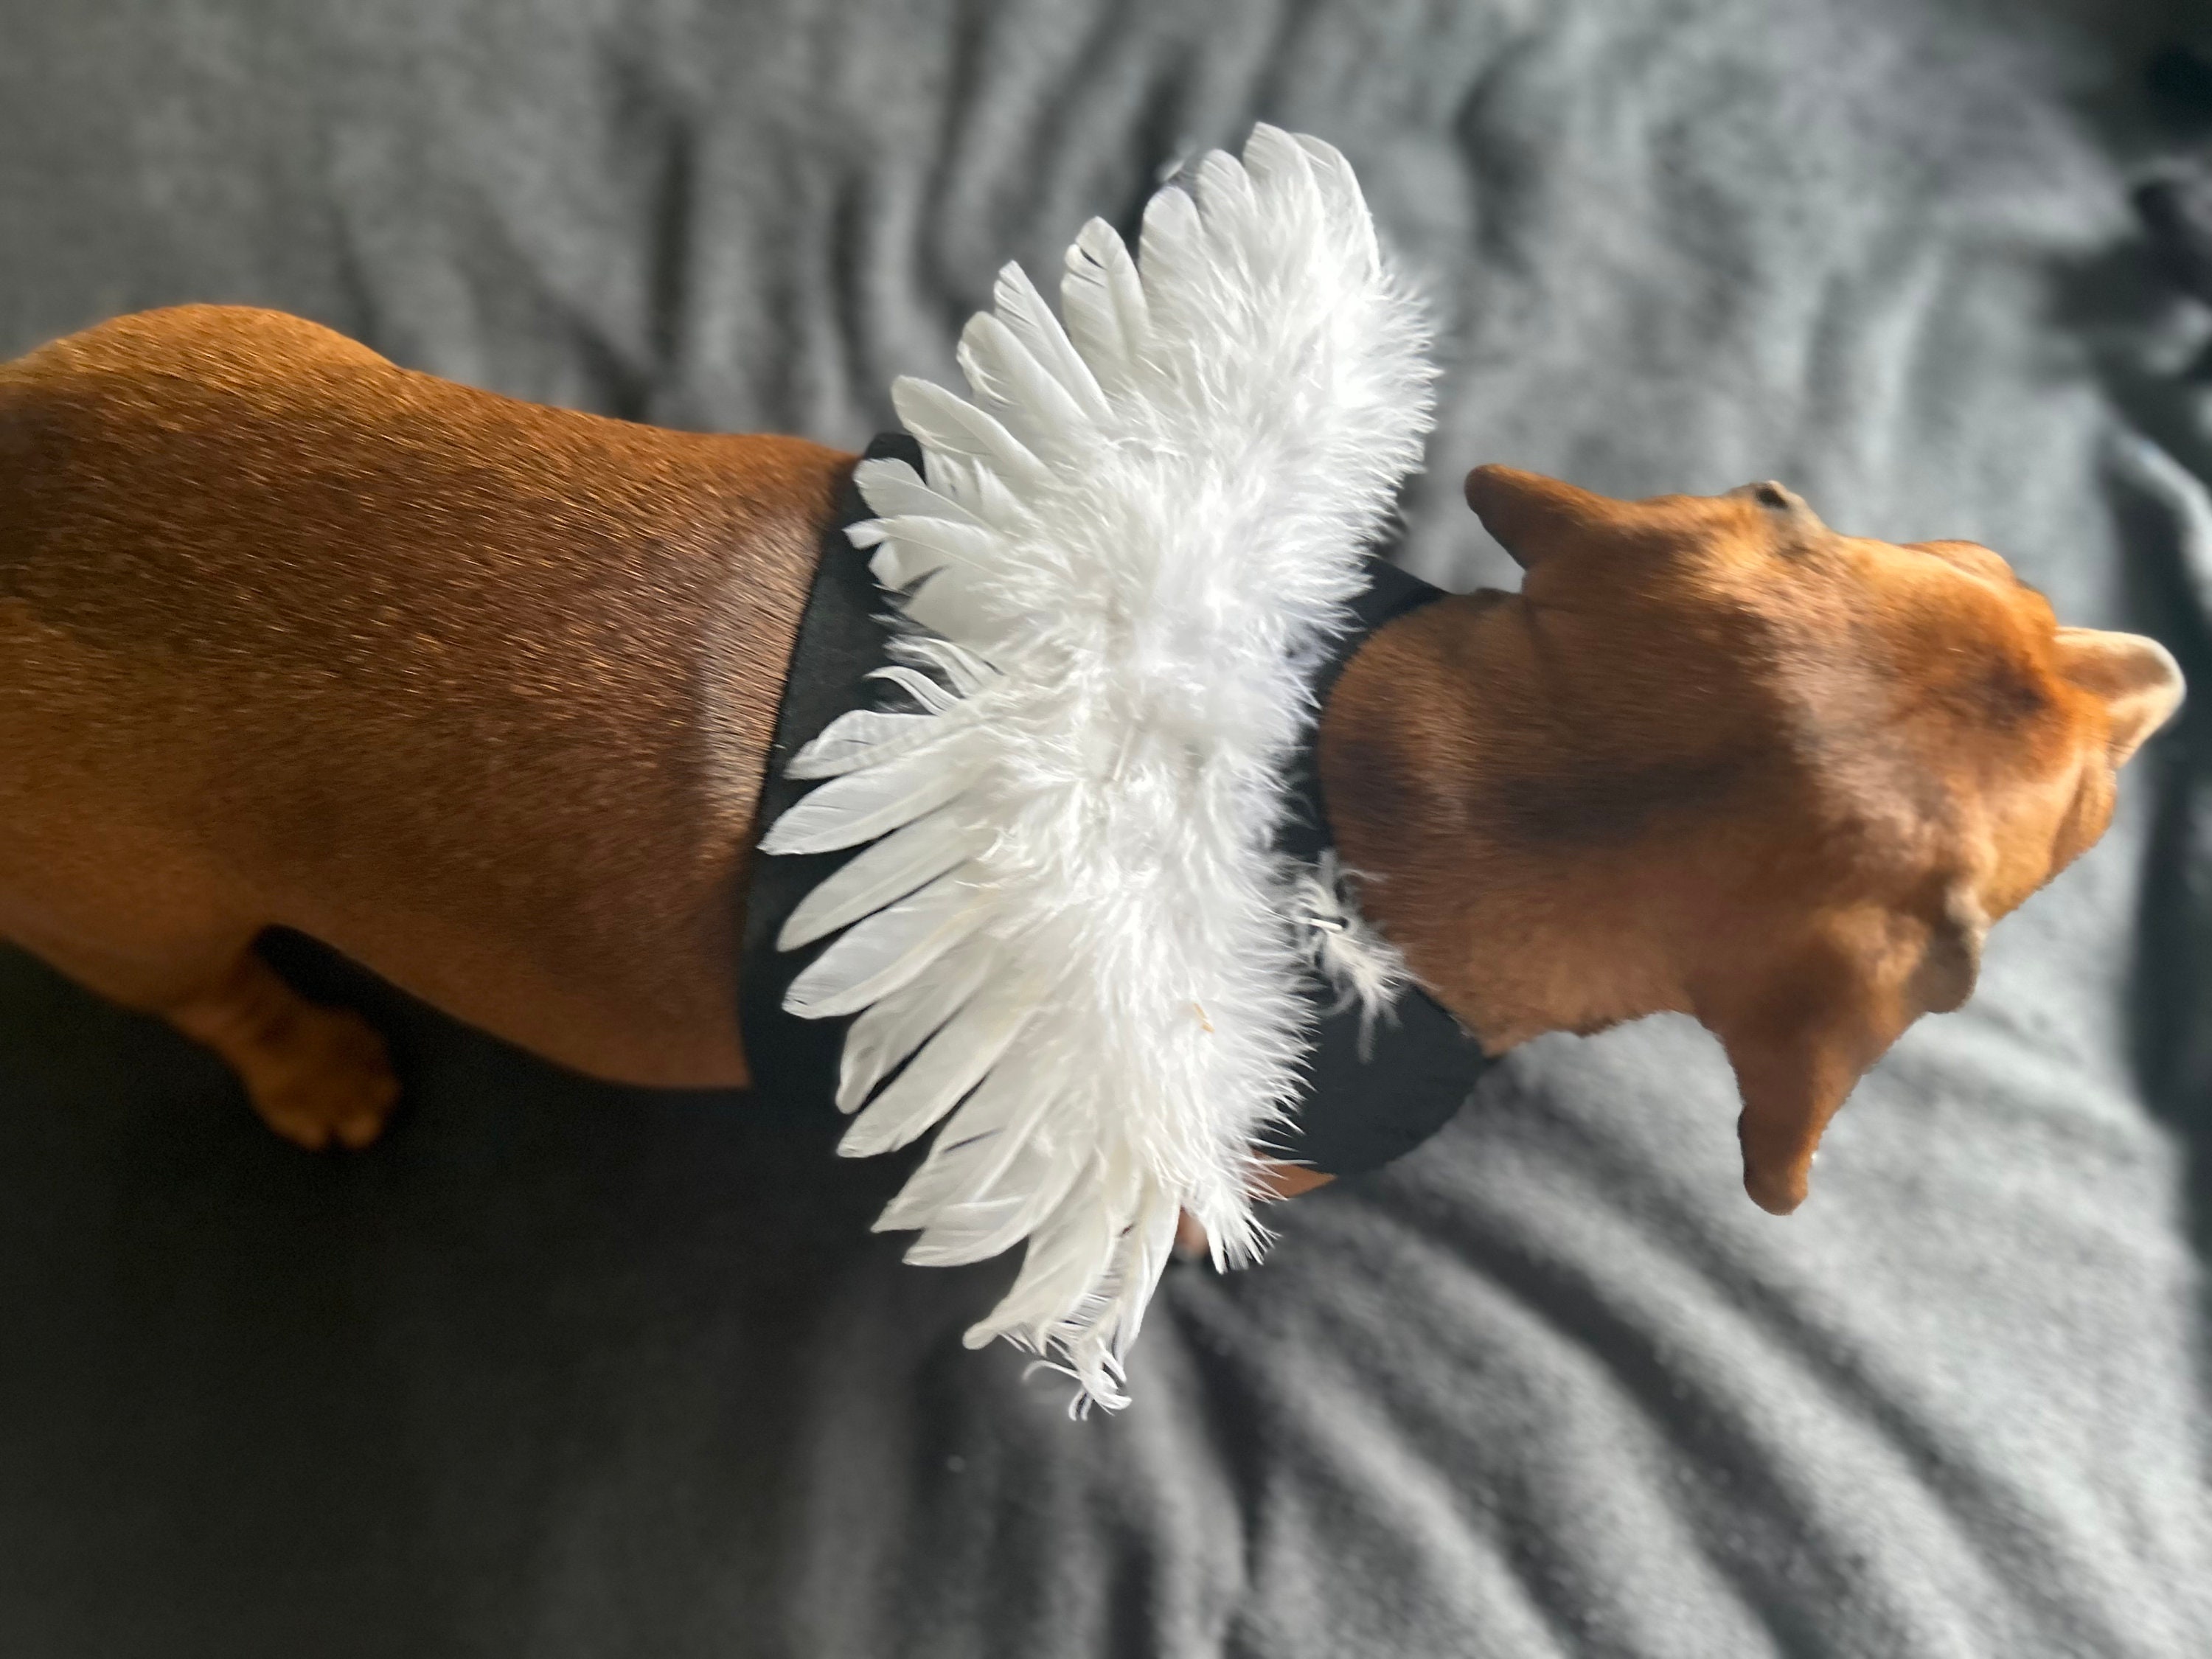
(560, 1369)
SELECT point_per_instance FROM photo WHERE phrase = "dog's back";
(476, 689)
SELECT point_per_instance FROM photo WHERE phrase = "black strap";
(1374, 1089)
(1368, 1097)
(793, 1061)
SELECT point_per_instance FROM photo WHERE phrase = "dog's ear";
(1532, 517)
(1800, 1041)
(1798, 1049)
(2136, 678)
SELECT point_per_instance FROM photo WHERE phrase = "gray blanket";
(560, 1370)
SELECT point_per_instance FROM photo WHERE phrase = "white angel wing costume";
(1069, 949)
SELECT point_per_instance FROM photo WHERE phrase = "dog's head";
(1869, 754)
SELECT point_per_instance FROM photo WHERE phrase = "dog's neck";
(1527, 877)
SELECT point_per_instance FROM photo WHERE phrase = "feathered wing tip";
(1068, 948)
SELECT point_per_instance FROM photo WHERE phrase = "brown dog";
(480, 693)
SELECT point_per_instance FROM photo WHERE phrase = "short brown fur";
(477, 691)
(1717, 759)
(480, 692)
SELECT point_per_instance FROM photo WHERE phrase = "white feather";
(1069, 1255)
(951, 1064)
(955, 477)
(911, 548)
(934, 698)
(957, 600)
(1344, 206)
(861, 737)
(898, 1024)
(893, 490)
(874, 801)
(1230, 205)
(1001, 1215)
(1282, 172)
(1143, 1257)
(1025, 396)
(956, 428)
(887, 951)
(1172, 253)
(961, 669)
(1128, 547)
(1103, 299)
(1364, 969)
(985, 1136)
(1024, 310)
(893, 867)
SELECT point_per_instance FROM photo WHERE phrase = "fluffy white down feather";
(1129, 549)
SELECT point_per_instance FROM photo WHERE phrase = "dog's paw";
(332, 1085)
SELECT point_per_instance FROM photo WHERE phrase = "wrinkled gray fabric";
(560, 1370)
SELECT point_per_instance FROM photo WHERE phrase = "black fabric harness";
(1368, 1097)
